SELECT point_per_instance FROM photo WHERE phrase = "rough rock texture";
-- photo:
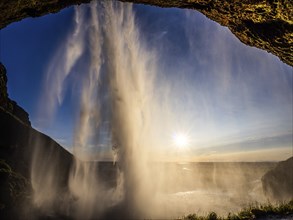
(23, 149)
(8, 104)
(14, 191)
(266, 24)
(278, 182)
(3, 87)
(18, 145)
(15, 10)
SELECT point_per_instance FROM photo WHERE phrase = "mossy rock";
(15, 190)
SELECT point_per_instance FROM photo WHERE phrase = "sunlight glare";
(180, 139)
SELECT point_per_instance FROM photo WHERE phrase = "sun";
(180, 140)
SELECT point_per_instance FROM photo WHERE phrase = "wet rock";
(19, 144)
(267, 25)
(278, 182)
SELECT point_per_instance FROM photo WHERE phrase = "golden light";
(180, 139)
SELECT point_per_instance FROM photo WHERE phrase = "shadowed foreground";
(261, 212)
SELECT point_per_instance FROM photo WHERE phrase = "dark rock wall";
(25, 151)
(3, 88)
(266, 24)
(6, 103)
(278, 182)
(15, 10)
(20, 145)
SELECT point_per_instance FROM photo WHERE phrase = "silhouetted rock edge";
(267, 25)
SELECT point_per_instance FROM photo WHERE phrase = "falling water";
(105, 60)
(123, 70)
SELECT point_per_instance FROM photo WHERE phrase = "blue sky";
(231, 99)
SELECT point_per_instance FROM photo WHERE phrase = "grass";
(251, 213)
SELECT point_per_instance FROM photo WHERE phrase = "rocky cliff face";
(266, 24)
(3, 88)
(6, 103)
(278, 182)
(14, 10)
(19, 147)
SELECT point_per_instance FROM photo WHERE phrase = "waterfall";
(116, 84)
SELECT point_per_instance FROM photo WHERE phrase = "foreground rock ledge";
(267, 25)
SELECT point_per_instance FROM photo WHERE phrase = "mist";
(133, 93)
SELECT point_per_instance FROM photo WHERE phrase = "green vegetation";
(253, 212)
(13, 183)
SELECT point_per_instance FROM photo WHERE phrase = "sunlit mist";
(165, 113)
(126, 109)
